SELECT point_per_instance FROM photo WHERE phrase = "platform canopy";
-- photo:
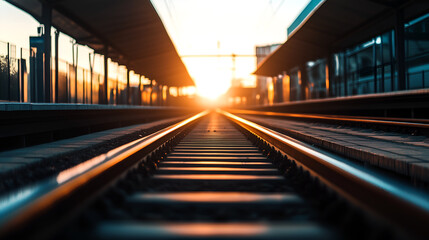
(332, 25)
(131, 29)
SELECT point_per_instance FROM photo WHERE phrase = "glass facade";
(295, 92)
(317, 79)
(262, 84)
(366, 68)
(417, 53)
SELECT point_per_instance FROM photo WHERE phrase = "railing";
(75, 84)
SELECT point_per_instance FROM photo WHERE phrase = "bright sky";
(235, 26)
(197, 27)
(17, 26)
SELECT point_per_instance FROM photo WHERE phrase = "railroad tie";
(215, 184)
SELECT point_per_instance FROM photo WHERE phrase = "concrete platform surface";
(17, 106)
(17, 158)
(401, 153)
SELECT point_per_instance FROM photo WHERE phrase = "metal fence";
(75, 83)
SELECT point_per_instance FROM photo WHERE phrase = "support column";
(167, 95)
(117, 90)
(400, 48)
(47, 22)
(303, 81)
(57, 34)
(346, 90)
(76, 99)
(21, 77)
(151, 91)
(161, 90)
(106, 77)
(128, 87)
(374, 67)
(328, 75)
(8, 72)
(91, 73)
(139, 98)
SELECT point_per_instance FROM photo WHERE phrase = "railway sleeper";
(220, 181)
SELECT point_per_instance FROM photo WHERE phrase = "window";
(417, 52)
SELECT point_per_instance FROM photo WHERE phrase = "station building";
(339, 48)
(132, 64)
(264, 85)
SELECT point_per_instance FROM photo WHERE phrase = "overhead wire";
(262, 17)
(278, 8)
(172, 20)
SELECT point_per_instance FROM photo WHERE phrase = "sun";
(211, 89)
(210, 79)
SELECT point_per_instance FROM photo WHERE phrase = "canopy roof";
(334, 25)
(132, 29)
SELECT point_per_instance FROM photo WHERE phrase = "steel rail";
(399, 122)
(397, 203)
(25, 205)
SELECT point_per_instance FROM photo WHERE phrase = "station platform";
(16, 159)
(27, 124)
(406, 104)
(399, 153)
(17, 106)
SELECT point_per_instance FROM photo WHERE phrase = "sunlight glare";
(210, 89)
(212, 77)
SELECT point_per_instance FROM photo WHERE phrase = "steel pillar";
(106, 77)
(76, 99)
(128, 87)
(151, 91)
(167, 100)
(303, 82)
(400, 48)
(328, 75)
(139, 98)
(8, 72)
(47, 22)
(57, 34)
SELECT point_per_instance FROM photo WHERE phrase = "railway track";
(216, 176)
(410, 125)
